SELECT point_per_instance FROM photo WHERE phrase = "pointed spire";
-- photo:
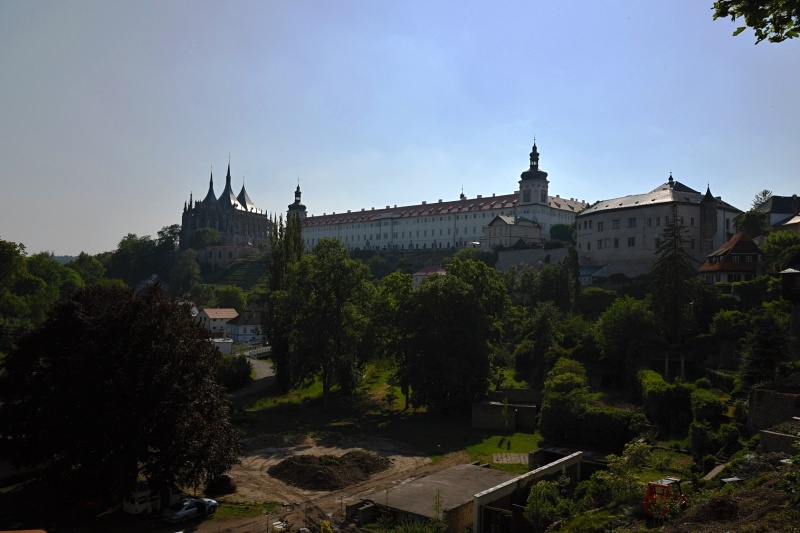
(210, 198)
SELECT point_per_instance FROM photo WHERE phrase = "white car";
(187, 508)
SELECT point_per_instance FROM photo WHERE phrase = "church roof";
(227, 198)
(245, 200)
(210, 198)
(669, 192)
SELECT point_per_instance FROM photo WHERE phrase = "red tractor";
(663, 496)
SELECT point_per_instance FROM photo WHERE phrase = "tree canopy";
(115, 387)
(771, 20)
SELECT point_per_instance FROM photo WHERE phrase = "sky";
(112, 113)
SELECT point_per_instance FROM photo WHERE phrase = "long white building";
(442, 224)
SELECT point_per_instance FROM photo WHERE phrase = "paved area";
(510, 458)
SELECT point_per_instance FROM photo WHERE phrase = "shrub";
(666, 404)
(703, 383)
(706, 407)
(220, 485)
(709, 462)
(234, 372)
(702, 440)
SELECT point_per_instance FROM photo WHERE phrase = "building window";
(691, 244)
(631, 222)
(649, 222)
(735, 258)
(748, 259)
(526, 195)
(631, 242)
(734, 277)
(727, 223)
(658, 221)
(590, 224)
(691, 221)
(616, 242)
(599, 226)
(599, 244)
(658, 242)
(615, 224)
(588, 246)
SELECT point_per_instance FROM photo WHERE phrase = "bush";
(667, 404)
(709, 462)
(234, 372)
(220, 485)
(706, 407)
(702, 440)
(703, 383)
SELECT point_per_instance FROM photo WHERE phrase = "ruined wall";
(767, 408)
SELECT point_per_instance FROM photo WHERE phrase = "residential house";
(739, 259)
(429, 270)
(246, 327)
(214, 319)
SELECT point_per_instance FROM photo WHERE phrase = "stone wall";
(459, 518)
(489, 415)
(767, 408)
(772, 442)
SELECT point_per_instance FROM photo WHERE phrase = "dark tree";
(285, 249)
(761, 198)
(115, 387)
(766, 347)
(205, 237)
(773, 20)
(448, 344)
(563, 232)
(754, 222)
(674, 283)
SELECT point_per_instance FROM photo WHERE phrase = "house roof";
(721, 258)
(248, 318)
(430, 270)
(781, 204)
(220, 312)
(669, 192)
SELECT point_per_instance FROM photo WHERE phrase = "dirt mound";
(328, 472)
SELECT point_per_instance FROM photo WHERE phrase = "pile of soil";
(328, 472)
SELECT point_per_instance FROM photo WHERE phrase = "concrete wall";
(767, 408)
(459, 518)
(571, 463)
(489, 415)
(772, 442)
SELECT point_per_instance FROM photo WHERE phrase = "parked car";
(187, 508)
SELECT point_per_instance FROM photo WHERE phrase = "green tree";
(753, 222)
(779, 248)
(205, 237)
(329, 299)
(449, 344)
(625, 332)
(127, 391)
(541, 509)
(534, 356)
(565, 400)
(392, 317)
(772, 20)
(89, 268)
(15, 311)
(765, 349)
(185, 273)
(563, 232)
(592, 301)
(231, 296)
(133, 260)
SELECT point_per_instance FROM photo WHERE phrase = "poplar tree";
(286, 248)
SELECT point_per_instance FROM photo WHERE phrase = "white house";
(214, 319)
(246, 327)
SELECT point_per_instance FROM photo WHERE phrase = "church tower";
(297, 209)
(533, 182)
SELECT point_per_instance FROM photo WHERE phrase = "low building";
(512, 232)
(739, 259)
(781, 209)
(214, 319)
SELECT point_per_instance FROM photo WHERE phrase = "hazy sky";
(112, 112)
